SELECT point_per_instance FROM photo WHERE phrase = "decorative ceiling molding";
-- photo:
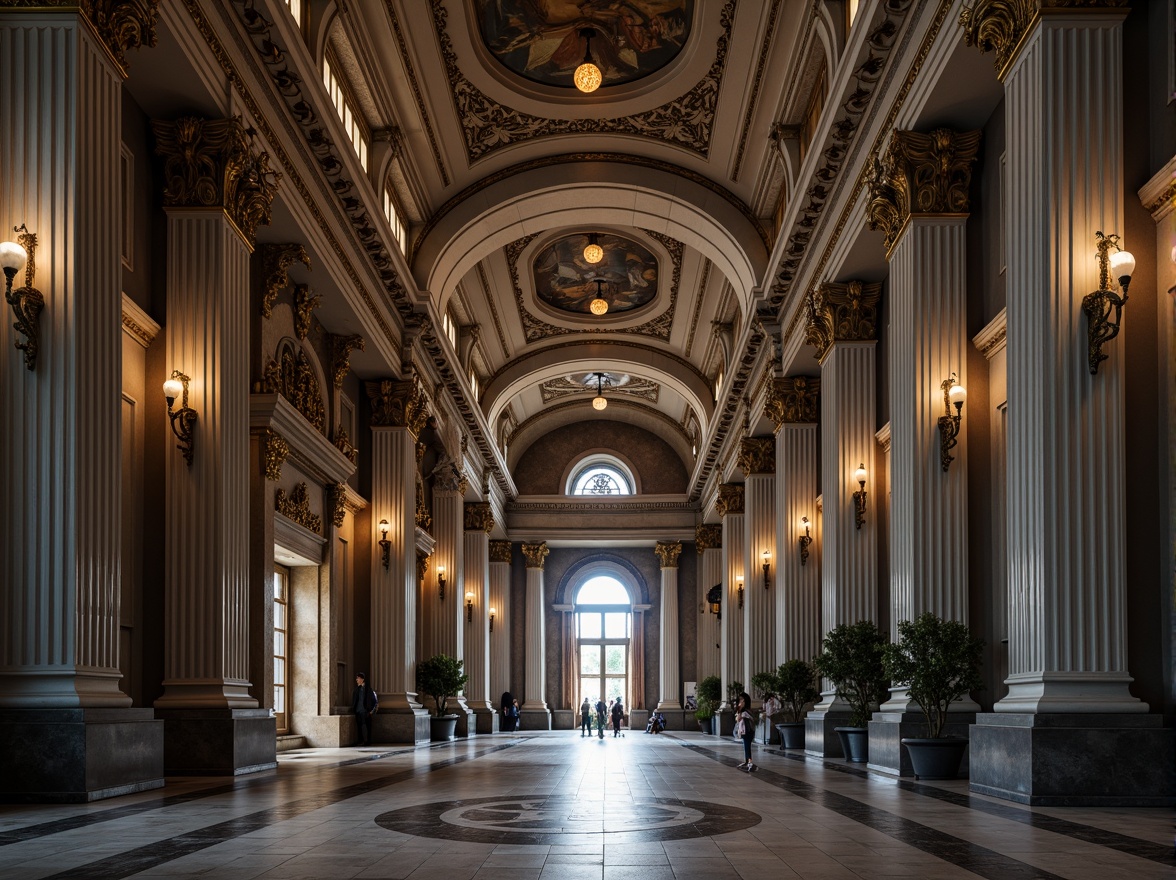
(757, 81)
(702, 282)
(640, 347)
(485, 282)
(488, 126)
(631, 405)
(642, 389)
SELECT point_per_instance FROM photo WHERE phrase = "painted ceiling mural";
(566, 281)
(541, 40)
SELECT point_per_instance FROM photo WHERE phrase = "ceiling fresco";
(540, 39)
(566, 281)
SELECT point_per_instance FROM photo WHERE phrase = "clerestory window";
(601, 475)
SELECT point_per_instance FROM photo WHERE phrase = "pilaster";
(534, 712)
(479, 522)
(669, 671)
(730, 508)
(708, 541)
(446, 615)
(500, 604)
(757, 459)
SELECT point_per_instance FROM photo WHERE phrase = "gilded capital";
(535, 554)
(447, 477)
(120, 24)
(276, 260)
(793, 400)
(341, 348)
(337, 502)
(842, 313)
(500, 551)
(730, 498)
(757, 455)
(422, 566)
(211, 163)
(708, 537)
(479, 517)
(920, 174)
(276, 451)
(399, 404)
(668, 553)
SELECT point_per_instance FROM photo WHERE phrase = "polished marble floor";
(556, 806)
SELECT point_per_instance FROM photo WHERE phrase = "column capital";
(211, 163)
(399, 403)
(793, 400)
(730, 498)
(479, 517)
(708, 537)
(668, 553)
(500, 551)
(842, 313)
(757, 455)
(535, 554)
(920, 174)
(447, 477)
(121, 25)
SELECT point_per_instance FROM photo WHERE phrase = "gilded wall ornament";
(291, 375)
(343, 444)
(535, 554)
(424, 519)
(842, 313)
(920, 174)
(296, 508)
(794, 400)
(708, 536)
(757, 455)
(341, 348)
(422, 566)
(500, 551)
(305, 302)
(120, 24)
(730, 499)
(276, 452)
(668, 552)
(276, 260)
(399, 404)
(447, 477)
(479, 517)
(210, 163)
(337, 502)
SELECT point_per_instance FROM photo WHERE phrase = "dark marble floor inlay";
(545, 819)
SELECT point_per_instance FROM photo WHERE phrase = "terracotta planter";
(855, 743)
(936, 758)
(443, 728)
(791, 734)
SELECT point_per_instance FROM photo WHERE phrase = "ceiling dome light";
(599, 305)
(593, 253)
(598, 402)
(588, 76)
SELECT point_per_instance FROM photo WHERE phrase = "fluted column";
(446, 617)
(708, 541)
(499, 636)
(535, 684)
(479, 522)
(757, 459)
(793, 406)
(669, 670)
(730, 508)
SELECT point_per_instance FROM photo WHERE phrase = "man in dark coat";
(364, 704)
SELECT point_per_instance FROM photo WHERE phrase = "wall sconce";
(184, 417)
(26, 301)
(714, 598)
(739, 589)
(767, 558)
(441, 582)
(859, 497)
(804, 540)
(1101, 303)
(469, 607)
(385, 544)
(949, 425)
(492, 613)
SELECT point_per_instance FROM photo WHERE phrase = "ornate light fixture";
(805, 540)
(26, 301)
(588, 76)
(739, 589)
(599, 305)
(469, 607)
(183, 420)
(1100, 304)
(385, 544)
(714, 598)
(492, 613)
(593, 252)
(599, 402)
(441, 582)
(859, 497)
(949, 425)
(767, 558)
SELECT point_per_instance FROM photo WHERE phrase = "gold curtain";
(637, 661)
(570, 663)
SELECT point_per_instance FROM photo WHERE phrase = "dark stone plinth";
(887, 729)
(485, 720)
(218, 742)
(536, 719)
(401, 725)
(726, 722)
(766, 733)
(78, 755)
(819, 737)
(466, 725)
(1074, 760)
(676, 719)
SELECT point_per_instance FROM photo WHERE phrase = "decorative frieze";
(757, 455)
(535, 554)
(730, 498)
(276, 260)
(210, 163)
(291, 375)
(793, 400)
(920, 174)
(276, 452)
(708, 537)
(341, 348)
(842, 313)
(399, 404)
(296, 508)
(668, 553)
(500, 551)
(305, 302)
(479, 516)
(337, 502)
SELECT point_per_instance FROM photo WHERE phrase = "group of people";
(615, 710)
(510, 713)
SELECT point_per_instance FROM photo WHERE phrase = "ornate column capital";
(708, 536)
(447, 477)
(668, 553)
(730, 498)
(211, 163)
(337, 502)
(842, 313)
(793, 400)
(535, 554)
(479, 517)
(121, 25)
(920, 174)
(757, 455)
(399, 404)
(341, 348)
(500, 551)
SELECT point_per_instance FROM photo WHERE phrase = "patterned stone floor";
(557, 806)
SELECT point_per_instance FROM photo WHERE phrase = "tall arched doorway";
(604, 633)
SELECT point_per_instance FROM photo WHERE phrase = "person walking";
(585, 718)
(618, 712)
(745, 728)
(364, 704)
(600, 709)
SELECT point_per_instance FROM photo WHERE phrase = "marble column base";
(466, 725)
(485, 720)
(726, 719)
(78, 755)
(887, 729)
(218, 742)
(535, 719)
(766, 733)
(819, 737)
(638, 718)
(564, 719)
(1072, 760)
(401, 726)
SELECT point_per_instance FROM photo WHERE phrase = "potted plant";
(939, 662)
(796, 687)
(766, 688)
(710, 691)
(441, 677)
(851, 657)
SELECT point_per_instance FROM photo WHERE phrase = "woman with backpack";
(745, 728)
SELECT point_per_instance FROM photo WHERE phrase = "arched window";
(601, 475)
(603, 639)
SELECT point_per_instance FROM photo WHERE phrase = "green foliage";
(734, 689)
(796, 687)
(704, 713)
(709, 693)
(851, 657)
(441, 677)
(763, 685)
(938, 661)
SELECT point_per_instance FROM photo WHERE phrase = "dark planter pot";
(936, 758)
(792, 734)
(443, 728)
(704, 726)
(855, 743)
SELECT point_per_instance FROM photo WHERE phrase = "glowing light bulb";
(588, 77)
(593, 253)
(598, 306)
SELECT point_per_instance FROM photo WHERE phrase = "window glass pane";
(602, 590)
(601, 480)
(589, 626)
(280, 615)
(590, 660)
(614, 659)
(590, 688)
(616, 626)
(279, 644)
(615, 689)
(279, 699)
(279, 673)
(278, 585)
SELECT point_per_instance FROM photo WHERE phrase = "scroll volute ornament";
(341, 348)
(757, 455)
(276, 260)
(535, 554)
(730, 499)
(920, 174)
(708, 537)
(500, 551)
(842, 313)
(793, 400)
(479, 517)
(668, 553)
(399, 404)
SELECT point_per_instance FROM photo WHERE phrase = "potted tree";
(851, 657)
(939, 662)
(441, 677)
(766, 688)
(710, 690)
(796, 687)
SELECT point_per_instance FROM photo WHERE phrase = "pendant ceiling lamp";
(588, 76)
(598, 402)
(593, 253)
(599, 305)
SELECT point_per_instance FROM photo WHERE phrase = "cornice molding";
(1158, 195)
(882, 436)
(137, 324)
(992, 340)
(758, 78)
